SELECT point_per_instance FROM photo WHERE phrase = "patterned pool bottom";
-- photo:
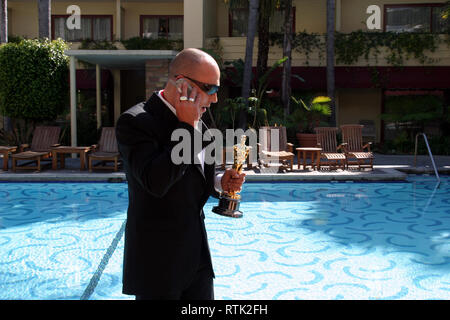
(335, 241)
(54, 237)
(295, 241)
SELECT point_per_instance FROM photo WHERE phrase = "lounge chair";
(369, 131)
(5, 151)
(105, 151)
(280, 153)
(44, 139)
(357, 152)
(330, 155)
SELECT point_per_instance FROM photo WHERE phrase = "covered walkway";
(154, 62)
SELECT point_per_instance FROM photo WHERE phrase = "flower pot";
(306, 140)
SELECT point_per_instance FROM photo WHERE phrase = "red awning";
(368, 77)
(86, 79)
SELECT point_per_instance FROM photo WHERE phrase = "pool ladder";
(431, 156)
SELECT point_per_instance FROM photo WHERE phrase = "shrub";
(33, 79)
(138, 43)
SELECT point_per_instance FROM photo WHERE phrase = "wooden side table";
(82, 151)
(314, 154)
(5, 151)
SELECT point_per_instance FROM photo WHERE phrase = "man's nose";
(213, 98)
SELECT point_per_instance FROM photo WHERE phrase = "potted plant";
(308, 117)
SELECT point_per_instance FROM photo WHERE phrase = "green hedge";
(138, 43)
(33, 79)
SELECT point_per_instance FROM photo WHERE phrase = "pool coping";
(380, 173)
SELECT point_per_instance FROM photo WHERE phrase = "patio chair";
(5, 151)
(106, 151)
(369, 131)
(44, 139)
(357, 153)
(280, 153)
(330, 155)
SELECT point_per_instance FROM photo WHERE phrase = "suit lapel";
(197, 165)
(207, 168)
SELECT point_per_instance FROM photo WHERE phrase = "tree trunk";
(44, 18)
(331, 10)
(263, 44)
(247, 78)
(3, 21)
(4, 39)
(287, 52)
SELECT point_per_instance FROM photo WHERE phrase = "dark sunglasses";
(208, 88)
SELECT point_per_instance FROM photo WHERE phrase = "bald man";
(166, 253)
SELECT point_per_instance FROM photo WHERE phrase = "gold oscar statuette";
(229, 201)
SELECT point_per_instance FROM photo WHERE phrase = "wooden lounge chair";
(5, 151)
(280, 153)
(330, 155)
(369, 131)
(44, 138)
(356, 151)
(105, 151)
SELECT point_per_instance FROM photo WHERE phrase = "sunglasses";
(210, 89)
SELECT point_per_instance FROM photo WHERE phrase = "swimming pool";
(295, 241)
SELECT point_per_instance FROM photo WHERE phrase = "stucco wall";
(360, 104)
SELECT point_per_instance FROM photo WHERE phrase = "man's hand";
(188, 111)
(232, 181)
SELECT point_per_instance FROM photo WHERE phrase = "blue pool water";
(295, 241)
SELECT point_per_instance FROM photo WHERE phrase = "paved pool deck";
(386, 168)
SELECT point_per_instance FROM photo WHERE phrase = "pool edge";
(378, 174)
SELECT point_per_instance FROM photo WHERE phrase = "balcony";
(234, 48)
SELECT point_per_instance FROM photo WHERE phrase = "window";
(415, 18)
(238, 22)
(92, 28)
(169, 27)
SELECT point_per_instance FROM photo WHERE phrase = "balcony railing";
(425, 53)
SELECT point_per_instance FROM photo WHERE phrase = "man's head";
(200, 70)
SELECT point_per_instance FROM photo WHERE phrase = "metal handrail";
(429, 152)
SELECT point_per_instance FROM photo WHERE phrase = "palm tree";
(331, 10)
(446, 10)
(44, 11)
(266, 10)
(248, 64)
(251, 32)
(3, 21)
(260, 12)
(445, 14)
(287, 50)
(247, 79)
(4, 39)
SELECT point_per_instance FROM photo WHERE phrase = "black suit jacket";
(165, 231)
